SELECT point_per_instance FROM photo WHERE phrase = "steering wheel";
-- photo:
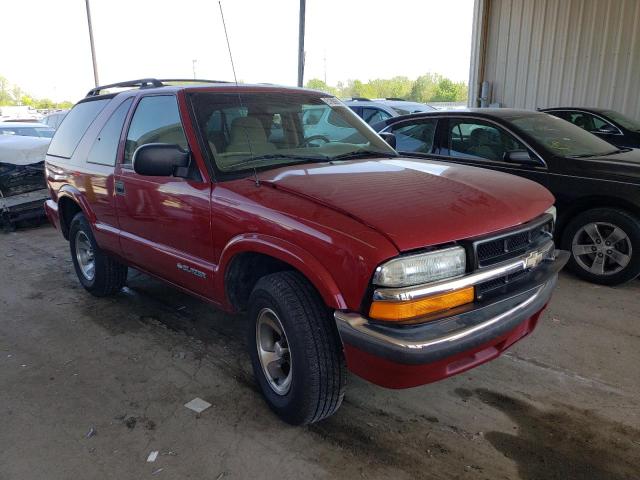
(313, 138)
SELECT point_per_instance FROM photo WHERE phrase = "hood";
(623, 166)
(21, 164)
(416, 203)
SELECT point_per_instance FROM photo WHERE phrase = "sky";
(345, 39)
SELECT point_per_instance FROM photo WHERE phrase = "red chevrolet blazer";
(282, 203)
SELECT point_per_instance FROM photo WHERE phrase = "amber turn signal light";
(403, 311)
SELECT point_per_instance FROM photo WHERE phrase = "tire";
(617, 261)
(317, 374)
(109, 276)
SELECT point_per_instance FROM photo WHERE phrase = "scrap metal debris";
(152, 456)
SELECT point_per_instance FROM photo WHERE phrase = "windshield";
(44, 132)
(626, 122)
(262, 130)
(561, 137)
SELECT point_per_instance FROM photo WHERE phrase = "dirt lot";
(563, 404)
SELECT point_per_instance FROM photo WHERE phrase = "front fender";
(287, 252)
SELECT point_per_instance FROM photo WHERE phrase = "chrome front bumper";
(437, 339)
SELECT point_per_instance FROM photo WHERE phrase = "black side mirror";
(161, 160)
(522, 157)
(390, 138)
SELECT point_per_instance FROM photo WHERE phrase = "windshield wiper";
(305, 158)
(277, 156)
(588, 155)
(361, 154)
(622, 150)
(585, 155)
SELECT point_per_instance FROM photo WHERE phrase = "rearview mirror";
(390, 138)
(161, 160)
(520, 156)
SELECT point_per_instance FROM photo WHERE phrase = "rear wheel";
(604, 245)
(98, 273)
(295, 349)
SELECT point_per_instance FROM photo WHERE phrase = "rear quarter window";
(74, 127)
(105, 147)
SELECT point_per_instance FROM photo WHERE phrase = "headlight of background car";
(421, 268)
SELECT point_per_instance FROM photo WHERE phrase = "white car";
(26, 129)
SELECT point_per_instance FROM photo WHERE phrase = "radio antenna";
(235, 78)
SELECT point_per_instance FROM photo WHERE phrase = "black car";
(596, 185)
(609, 125)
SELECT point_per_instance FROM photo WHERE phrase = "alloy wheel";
(85, 255)
(273, 351)
(601, 248)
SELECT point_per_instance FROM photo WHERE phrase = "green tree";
(14, 95)
(424, 88)
(317, 84)
(430, 87)
(5, 96)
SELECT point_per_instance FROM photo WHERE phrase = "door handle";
(119, 187)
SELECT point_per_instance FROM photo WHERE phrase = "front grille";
(501, 247)
(498, 285)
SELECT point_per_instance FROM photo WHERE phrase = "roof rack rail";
(358, 99)
(141, 83)
(146, 83)
(192, 80)
(396, 99)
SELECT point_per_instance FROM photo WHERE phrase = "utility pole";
(93, 48)
(325, 67)
(301, 43)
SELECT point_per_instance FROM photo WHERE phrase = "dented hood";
(416, 203)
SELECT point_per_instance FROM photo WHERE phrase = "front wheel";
(604, 245)
(295, 349)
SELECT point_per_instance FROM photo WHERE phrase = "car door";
(485, 144)
(164, 221)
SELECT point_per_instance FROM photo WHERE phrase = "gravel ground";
(89, 387)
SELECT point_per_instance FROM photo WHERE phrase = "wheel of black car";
(98, 273)
(295, 349)
(604, 245)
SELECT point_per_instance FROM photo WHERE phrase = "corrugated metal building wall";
(543, 53)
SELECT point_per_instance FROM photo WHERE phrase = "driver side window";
(415, 136)
(156, 120)
(589, 122)
(479, 140)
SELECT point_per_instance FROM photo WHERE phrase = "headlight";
(421, 268)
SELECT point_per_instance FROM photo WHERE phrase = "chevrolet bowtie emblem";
(533, 259)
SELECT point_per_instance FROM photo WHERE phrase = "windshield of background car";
(561, 137)
(268, 129)
(626, 122)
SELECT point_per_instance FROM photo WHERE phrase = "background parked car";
(53, 120)
(609, 125)
(22, 184)
(318, 121)
(595, 183)
(379, 109)
(26, 129)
